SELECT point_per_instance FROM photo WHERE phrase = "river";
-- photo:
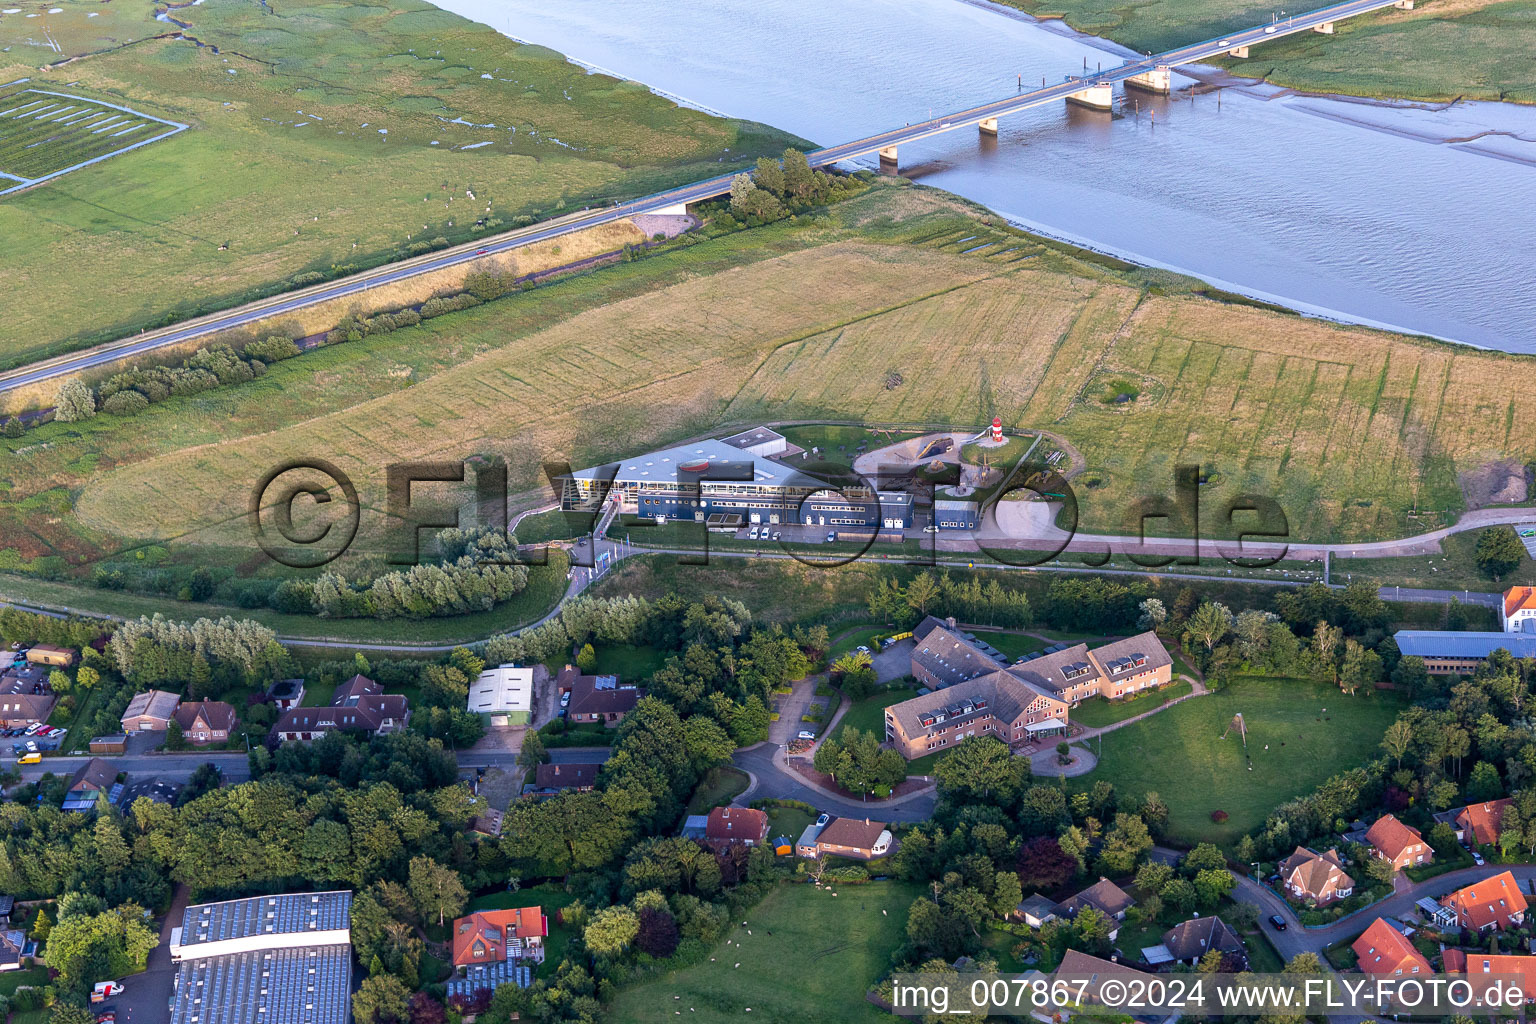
(1416, 217)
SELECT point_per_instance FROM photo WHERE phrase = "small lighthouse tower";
(997, 429)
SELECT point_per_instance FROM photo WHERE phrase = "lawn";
(543, 527)
(719, 787)
(1014, 645)
(868, 636)
(1097, 711)
(869, 714)
(807, 949)
(358, 130)
(1298, 735)
(630, 664)
(787, 821)
(1473, 50)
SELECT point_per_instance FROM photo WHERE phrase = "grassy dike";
(1442, 50)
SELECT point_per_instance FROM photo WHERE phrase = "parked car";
(888, 641)
(806, 734)
(30, 759)
(930, 529)
(110, 1017)
(863, 649)
(31, 730)
(1477, 858)
(1277, 922)
(565, 699)
(106, 990)
(821, 821)
(752, 534)
(831, 536)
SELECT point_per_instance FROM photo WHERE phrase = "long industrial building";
(283, 959)
(714, 481)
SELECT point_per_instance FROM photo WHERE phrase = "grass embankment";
(719, 787)
(1356, 433)
(356, 131)
(1298, 735)
(1445, 49)
(792, 937)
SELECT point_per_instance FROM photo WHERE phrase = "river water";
(1416, 217)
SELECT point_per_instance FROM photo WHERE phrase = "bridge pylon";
(987, 126)
(888, 160)
(1159, 80)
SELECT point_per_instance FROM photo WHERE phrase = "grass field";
(1097, 711)
(295, 162)
(1471, 49)
(1359, 434)
(1298, 735)
(868, 714)
(792, 937)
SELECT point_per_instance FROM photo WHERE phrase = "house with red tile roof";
(1402, 845)
(736, 825)
(359, 705)
(1492, 903)
(493, 936)
(1519, 609)
(205, 721)
(1477, 965)
(1382, 949)
(1479, 824)
(1316, 878)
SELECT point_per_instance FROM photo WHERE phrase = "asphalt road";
(698, 191)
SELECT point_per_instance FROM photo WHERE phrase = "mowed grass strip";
(43, 132)
(810, 955)
(1299, 734)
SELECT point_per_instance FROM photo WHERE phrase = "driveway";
(146, 997)
(771, 780)
(895, 661)
(791, 708)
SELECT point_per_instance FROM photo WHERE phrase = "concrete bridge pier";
(988, 126)
(1238, 51)
(1159, 80)
(675, 210)
(1326, 28)
(1404, 5)
(1099, 97)
(888, 160)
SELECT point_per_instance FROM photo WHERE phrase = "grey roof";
(752, 437)
(158, 790)
(95, 776)
(300, 985)
(1194, 938)
(1441, 643)
(1104, 896)
(953, 505)
(1042, 907)
(1119, 658)
(997, 694)
(1059, 670)
(244, 918)
(725, 464)
(808, 837)
(949, 657)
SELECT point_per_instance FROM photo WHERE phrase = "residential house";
(1093, 973)
(150, 711)
(1479, 824)
(359, 705)
(1035, 910)
(286, 694)
(7, 905)
(13, 947)
(1382, 949)
(858, 838)
(597, 698)
(1190, 940)
(19, 710)
(1315, 878)
(491, 936)
(1478, 965)
(1518, 612)
(205, 721)
(91, 779)
(1402, 845)
(1104, 896)
(745, 825)
(154, 790)
(487, 823)
(53, 657)
(1491, 903)
(551, 778)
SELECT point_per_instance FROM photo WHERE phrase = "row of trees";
(777, 188)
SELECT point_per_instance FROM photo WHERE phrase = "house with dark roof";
(1402, 845)
(859, 838)
(1493, 903)
(154, 790)
(13, 947)
(150, 711)
(1104, 896)
(95, 776)
(597, 698)
(205, 721)
(996, 704)
(1315, 878)
(359, 705)
(552, 778)
(745, 825)
(1190, 940)
(1035, 910)
(1383, 950)
(19, 710)
(286, 694)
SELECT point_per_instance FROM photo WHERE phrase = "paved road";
(771, 780)
(664, 201)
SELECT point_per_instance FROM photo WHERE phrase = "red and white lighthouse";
(997, 429)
